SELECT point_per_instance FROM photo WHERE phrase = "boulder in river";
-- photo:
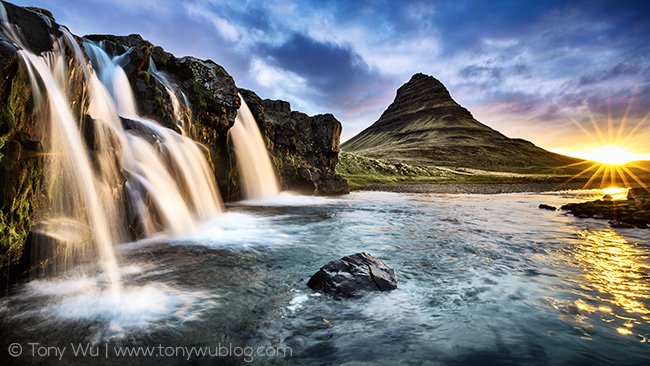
(353, 274)
(547, 207)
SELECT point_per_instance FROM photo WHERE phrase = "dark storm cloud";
(328, 67)
(475, 71)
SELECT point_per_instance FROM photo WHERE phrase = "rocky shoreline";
(633, 212)
(473, 188)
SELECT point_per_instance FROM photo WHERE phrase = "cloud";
(516, 65)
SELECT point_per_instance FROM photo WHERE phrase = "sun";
(610, 155)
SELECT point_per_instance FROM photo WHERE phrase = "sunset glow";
(611, 155)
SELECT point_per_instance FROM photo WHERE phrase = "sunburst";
(611, 157)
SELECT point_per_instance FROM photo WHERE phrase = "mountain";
(424, 125)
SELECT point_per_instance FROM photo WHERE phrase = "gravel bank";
(469, 188)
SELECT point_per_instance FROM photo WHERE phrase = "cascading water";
(257, 176)
(110, 174)
(181, 110)
(161, 157)
(67, 143)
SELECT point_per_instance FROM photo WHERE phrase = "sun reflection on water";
(616, 268)
(616, 192)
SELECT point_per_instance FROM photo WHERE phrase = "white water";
(257, 175)
(97, 171)
(167, 168)
(67, 136)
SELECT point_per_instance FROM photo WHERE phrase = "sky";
(566, 75)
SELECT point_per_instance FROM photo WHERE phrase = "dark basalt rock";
(621, 213)
(547, 207)
(350, 276)
(35, 27)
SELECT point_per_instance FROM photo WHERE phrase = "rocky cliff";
(424, 125)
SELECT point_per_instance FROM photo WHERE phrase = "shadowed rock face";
(352, 275)
(424, 125)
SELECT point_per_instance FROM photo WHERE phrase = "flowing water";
(482, 280)
(257, 175)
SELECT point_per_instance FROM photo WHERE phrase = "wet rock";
(36, 27)
(620, 225)
(547, 207)
(622, 213)
(607, 197)
(351, 275)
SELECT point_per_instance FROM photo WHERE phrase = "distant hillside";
(424, 125)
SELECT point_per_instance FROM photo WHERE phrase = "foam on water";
(235, 229)
(146, 307)
(285, 199)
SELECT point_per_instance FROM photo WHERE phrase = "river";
(483, 279)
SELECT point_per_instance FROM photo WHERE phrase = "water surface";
(483, 279)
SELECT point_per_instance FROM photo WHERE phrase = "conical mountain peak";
(425, 125)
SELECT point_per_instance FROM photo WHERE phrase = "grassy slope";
(361, 171)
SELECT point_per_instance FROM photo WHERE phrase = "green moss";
(20, 165)
(202, 99)
(159, 103)
(8, 114)
(144, 76)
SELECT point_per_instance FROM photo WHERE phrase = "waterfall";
(167, 168)
(70, 161)
(257, 176)
(183, 120)
(110, 175)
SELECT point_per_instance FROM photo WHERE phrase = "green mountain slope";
(424, 125)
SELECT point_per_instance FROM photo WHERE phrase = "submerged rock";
(620, 225)
(547, 207)
(350, 275)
